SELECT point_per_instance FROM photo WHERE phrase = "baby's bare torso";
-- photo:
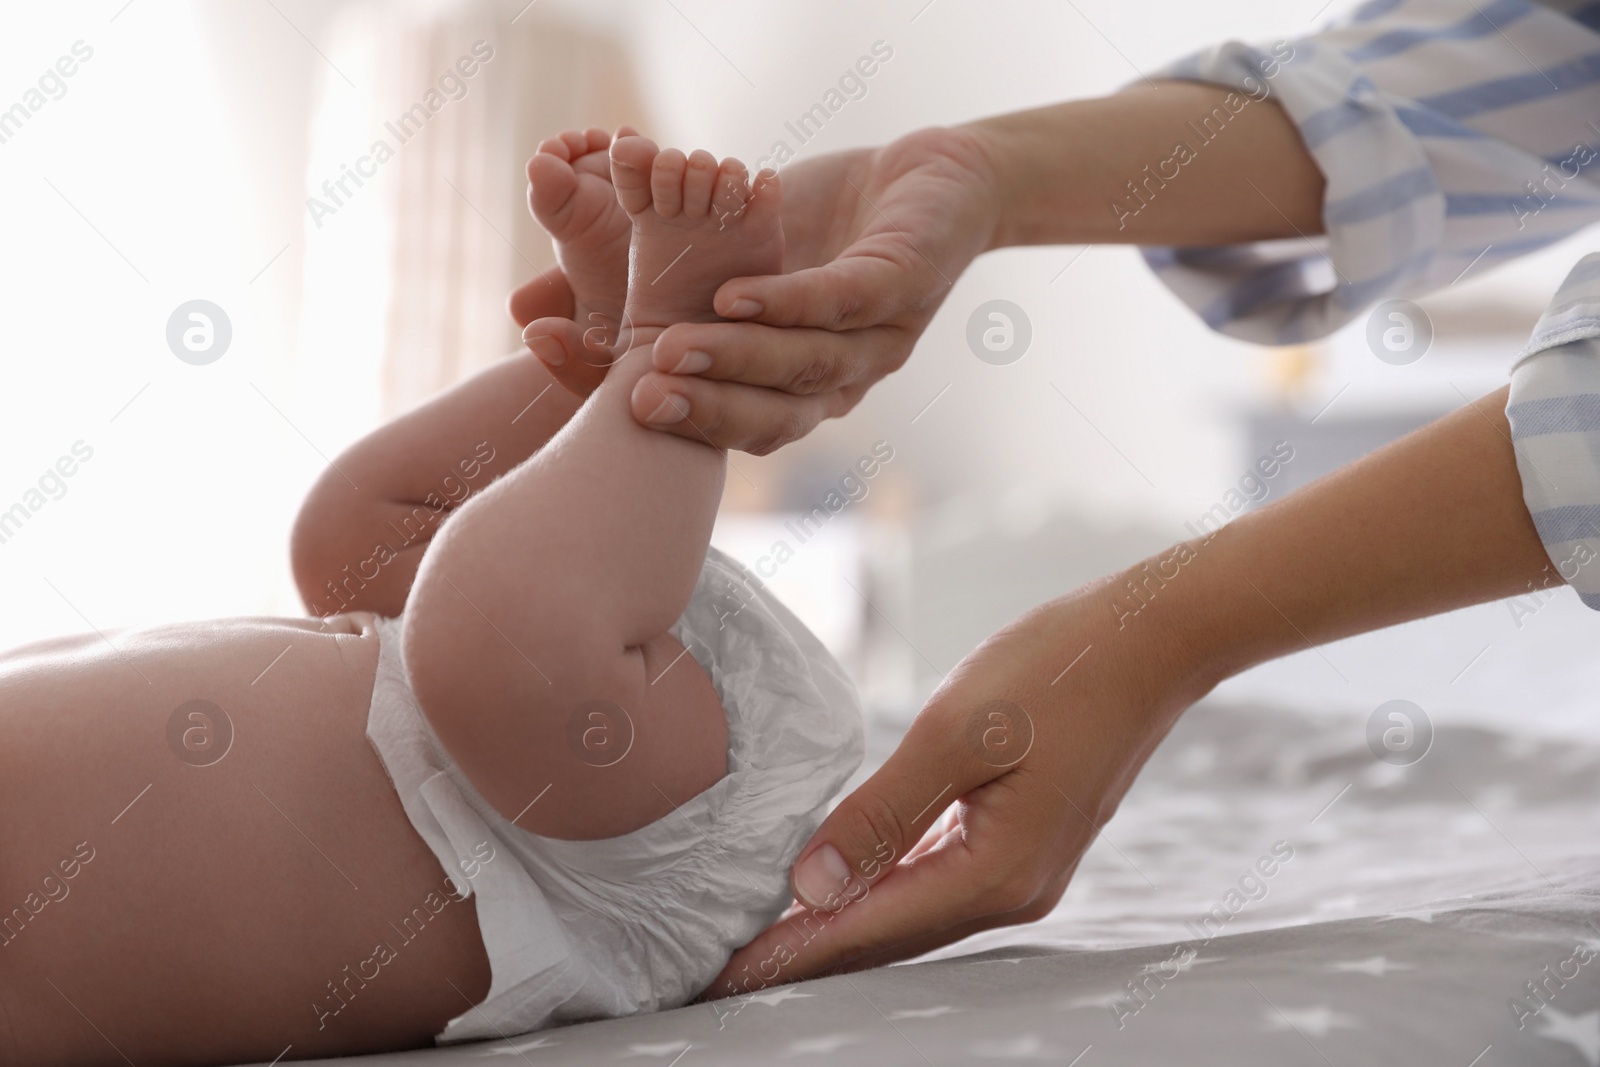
(153, 869)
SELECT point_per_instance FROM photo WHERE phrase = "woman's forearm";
(1110, 170)
(1431, 523)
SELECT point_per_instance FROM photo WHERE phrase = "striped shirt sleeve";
(1554, 411)
(1453, 135)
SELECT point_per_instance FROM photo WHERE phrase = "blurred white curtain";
(407, 278)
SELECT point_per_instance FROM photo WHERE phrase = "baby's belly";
(200, 854)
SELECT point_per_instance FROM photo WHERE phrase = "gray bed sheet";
(1446, 912)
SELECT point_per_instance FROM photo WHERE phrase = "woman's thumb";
(872, 828)
(546, 295)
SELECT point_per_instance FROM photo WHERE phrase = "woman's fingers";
(959, 887)
(942, 828)
(799, 360)
(911, 218)
(730, 415)
(929, 941)
(573, 356)
(869, 284)
(876, 826)
(547, 295)
(934, 894)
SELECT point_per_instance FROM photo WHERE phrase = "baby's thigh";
(199, 852)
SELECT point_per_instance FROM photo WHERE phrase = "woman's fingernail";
(693, 362)
(673, 408)
(550, 351)
(821, 876)
(744, 308)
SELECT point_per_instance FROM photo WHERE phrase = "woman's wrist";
(1206, 601)
(1151, 608)
(1155, 639)
(1011, 145)
(980, 154)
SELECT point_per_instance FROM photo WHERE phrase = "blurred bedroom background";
(177, 163)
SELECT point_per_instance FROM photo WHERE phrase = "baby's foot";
(570, 193)
(695, 225)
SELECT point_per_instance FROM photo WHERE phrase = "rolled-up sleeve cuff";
(1554, 411)
(1384, 212)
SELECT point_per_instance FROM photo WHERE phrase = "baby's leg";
(368, 522)
(536, 636)
(371, 517)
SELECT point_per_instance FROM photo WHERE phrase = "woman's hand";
(1430, 523)
(1033, 738)
(577, 355)
(875, 239)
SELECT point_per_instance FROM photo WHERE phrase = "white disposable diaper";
(586, 929)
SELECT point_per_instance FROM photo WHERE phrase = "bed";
(1443, 912)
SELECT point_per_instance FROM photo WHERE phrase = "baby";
(550, 760)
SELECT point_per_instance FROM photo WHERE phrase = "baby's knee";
(460, 663)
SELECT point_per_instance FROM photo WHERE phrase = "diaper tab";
(532, 966)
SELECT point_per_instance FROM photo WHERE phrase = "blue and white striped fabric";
(1554, 412)
(1453, 135)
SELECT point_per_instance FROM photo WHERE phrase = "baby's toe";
(666, 182)
(732, 191)
(576, 142)
(766, 198)
(631, 161)
(559, 146)
(698, 184)
(551, 183)
(594, 158)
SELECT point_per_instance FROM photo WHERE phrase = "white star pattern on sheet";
(1468, 824)
(1348, 902)
(1022, 1047)
(1582, 1032)
(1497, 797)
(517, 1048)
(923, 1013)
(777, 996)
(1313, 1022)
(1518, 746)
(1382, 776)
(664, 1048)
(1419, 916)
(819, 1046)
(1377, 966)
